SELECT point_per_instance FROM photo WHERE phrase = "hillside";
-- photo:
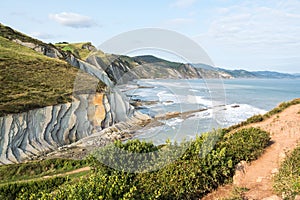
(29, 79)
(80, 50)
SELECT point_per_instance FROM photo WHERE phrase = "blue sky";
(252, 35)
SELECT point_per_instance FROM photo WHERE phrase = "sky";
(236, 34)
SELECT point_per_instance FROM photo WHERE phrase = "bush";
(245, 144)
(207, 162)
(26, 189)
(287, 181)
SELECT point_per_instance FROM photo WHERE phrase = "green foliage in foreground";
(36, 169)
(206, 162)
(287, 181)
(27, 190)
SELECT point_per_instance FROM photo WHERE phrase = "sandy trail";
(70, 172)
(257, 175)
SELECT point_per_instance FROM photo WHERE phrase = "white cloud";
(183, 3)
(73, 20)
(255, 33)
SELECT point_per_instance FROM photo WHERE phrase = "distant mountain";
(204, 66)
(240, 73)
(266, 74)
(259, 74)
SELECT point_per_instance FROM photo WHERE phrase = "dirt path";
(257, 176)
(76, 171)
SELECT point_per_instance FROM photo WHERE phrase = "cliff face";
(121, 69)
(42, 130)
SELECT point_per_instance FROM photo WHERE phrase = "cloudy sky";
(236, 34)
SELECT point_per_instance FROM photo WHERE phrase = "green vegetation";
(207, 162)
(79, 50)
(26, 190)
(237, 193)
(37, 169)
(281, 107)
(157, 61)
(31, 80)
(12, 34)
(287, 181)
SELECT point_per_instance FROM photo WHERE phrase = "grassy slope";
(75, 48)
(33, 170)
(30, 80)
(12, 34)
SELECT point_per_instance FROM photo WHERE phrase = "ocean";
(219, 103)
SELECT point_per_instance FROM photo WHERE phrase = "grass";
(37, 169)
(76, 49)
(287, 181)
(158, 61)
(237, 194)
(30, 80)
(12, 34)
(281, 107)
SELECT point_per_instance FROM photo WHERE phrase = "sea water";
(220, 103)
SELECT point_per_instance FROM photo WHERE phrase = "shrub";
(287, 181)
(23, 190)
(245, 144)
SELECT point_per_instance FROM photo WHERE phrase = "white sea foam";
(174, 121)
(235, 113)
(198, 100)
(164, 96)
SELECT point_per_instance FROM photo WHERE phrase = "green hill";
(80, 50)
(29, 79)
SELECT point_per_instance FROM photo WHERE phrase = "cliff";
(83, 101)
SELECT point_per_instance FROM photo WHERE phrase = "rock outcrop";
(123, 69)
(45, 49)
(39, 131)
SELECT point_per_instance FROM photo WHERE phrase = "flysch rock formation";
(40, 131)
(27, 135)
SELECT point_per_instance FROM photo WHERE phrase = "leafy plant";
(287, 181)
